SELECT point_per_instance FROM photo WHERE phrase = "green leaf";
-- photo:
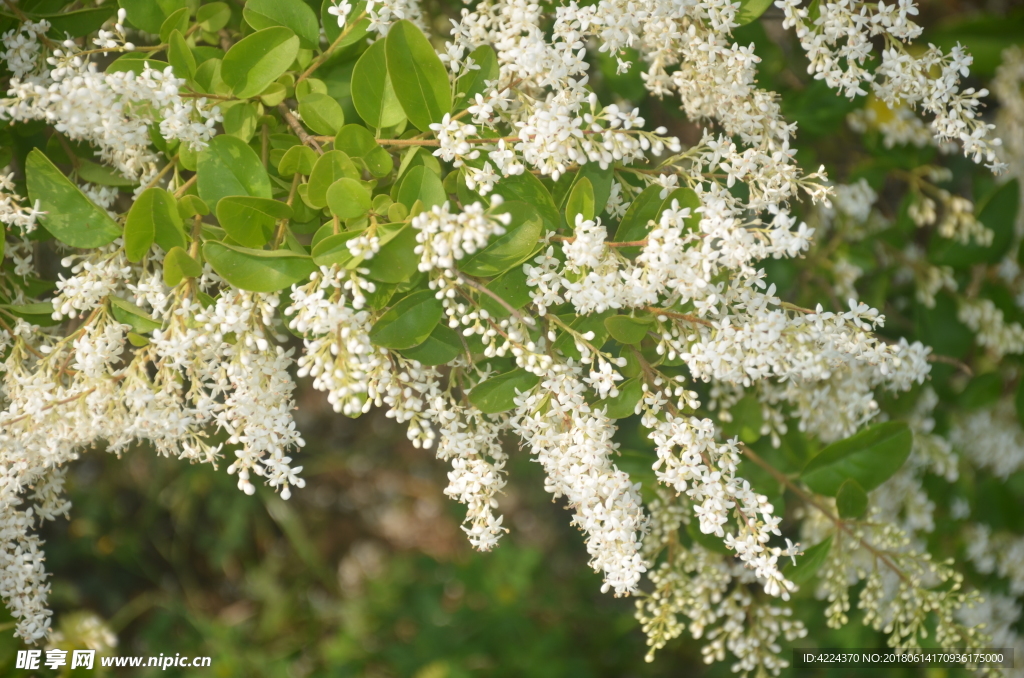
(420, 79)
(580, 202)
(293, 14)
(635, 222)
(153, 218)
(175, 21)
(321, 113)
(192, 205)
(527, 188)
(40, 313)
(179, 264)
(809, 563)
(331, 166)
(851, 500)
(79, 23)
(373, 93)
(513, 248)
(474, 82)
(981, 391)
(127, 313)
(510, 286)
(684, 197)
(297, 160)
(257, 60)
(144, 14)
(869, 457)
(397, 260)
(95, 173)
(628, 330)
(442, 346)
(421, 183)
(348, 199)
(498, 394)
(747, 419)
(257, 270)
(409, 322)
(358, 142)
(71, 217)
(240, 120)
(180, 56)
(333, 250)
(213, 16)
(601, 183)
(250, 221)
(624, 404)
(751, 10)
(228, 166)
(708, 541)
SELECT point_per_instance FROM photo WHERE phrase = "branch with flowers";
(468, 233)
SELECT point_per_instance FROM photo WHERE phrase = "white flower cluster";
(22, 48)
(472, 443)
(838, 44)
(445, 238)
(706, 472)
(991, 329)
(113, 111)
(991, 438)
(1001, 553)
(13, 211)
(573, 443)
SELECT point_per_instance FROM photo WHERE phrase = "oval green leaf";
(331, 166)
(228, 166)
(409, 322)
(257, 60)
(420, 79)
(250, 221)
(321, 113)
(70, 216)
(293, 14)
(257, 270)
(869, 457)
(348, 198)
(373, 93)
(498, 394)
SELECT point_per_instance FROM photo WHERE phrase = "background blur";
(365, 572)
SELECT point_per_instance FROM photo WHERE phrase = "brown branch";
(296, 126)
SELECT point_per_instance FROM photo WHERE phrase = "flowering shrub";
(205, 202)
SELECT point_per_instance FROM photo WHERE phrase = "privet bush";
(205, 202)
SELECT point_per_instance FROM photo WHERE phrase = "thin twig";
(466, 280)
(296, 126)
(330, 50)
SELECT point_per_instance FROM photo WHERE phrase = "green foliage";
(70, 216)
(419, 78)
(257, 270)
(498, 393)
(869, 457)
(254, 62)
(409, 322)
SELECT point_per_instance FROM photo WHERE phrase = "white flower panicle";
(114, 111)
